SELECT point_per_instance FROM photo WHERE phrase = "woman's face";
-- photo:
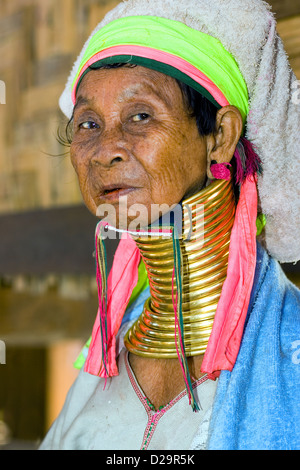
(135, 143)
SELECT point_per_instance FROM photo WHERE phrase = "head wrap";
(173, 48)
(230, 51)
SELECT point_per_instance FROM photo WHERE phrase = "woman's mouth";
(114, 192)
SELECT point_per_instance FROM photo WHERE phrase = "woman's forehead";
(128, 83)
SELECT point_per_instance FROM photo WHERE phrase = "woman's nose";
(110, 148)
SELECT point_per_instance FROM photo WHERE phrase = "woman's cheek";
(75, 155)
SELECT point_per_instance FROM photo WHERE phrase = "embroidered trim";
(154, 415)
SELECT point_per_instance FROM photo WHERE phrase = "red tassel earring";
(220, 171)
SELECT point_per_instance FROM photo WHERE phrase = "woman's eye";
(88, 125)
(140, 117)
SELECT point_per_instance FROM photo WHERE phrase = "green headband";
(171, 47)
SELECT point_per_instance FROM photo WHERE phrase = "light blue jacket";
(257, 405)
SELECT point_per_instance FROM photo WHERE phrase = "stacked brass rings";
(210, 213)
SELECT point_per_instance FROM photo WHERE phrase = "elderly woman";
(188, 105)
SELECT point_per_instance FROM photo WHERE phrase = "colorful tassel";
(101, 276)
(248, 162)
(177, 304)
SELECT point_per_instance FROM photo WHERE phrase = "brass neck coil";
(205, 258)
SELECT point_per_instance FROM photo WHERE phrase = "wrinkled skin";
(134, 137)
(132, 133)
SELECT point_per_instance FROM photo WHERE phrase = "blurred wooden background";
(48, 298)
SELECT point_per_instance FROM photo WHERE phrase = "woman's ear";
(222, 143)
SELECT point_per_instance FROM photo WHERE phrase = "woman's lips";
(114, 193)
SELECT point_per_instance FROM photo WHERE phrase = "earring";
(220, 171)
